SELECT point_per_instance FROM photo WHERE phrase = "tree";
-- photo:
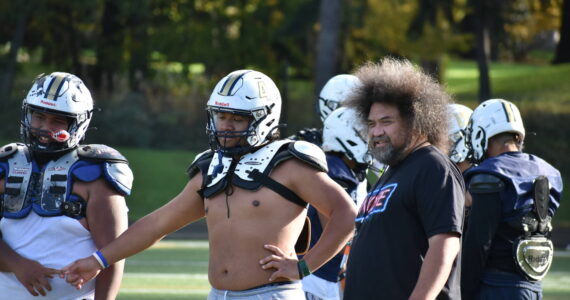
(563, 48)
(22, 10)
(327, 43)
(482, 45)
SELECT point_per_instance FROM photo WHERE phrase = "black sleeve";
(484, 219)
(440, 195)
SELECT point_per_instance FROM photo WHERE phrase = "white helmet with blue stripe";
(251, 94)
(60, 94)
(491, 118)
(458, 119)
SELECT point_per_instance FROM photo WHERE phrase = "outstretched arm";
(186, 207)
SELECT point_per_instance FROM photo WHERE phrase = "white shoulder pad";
(309, 153)
(120, 176)
(8, 150)
(259, 159)
(199, 155)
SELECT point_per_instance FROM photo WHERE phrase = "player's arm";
(484, 219)
(330, 199)
(442, 251)
(186, 207)
(107, 219)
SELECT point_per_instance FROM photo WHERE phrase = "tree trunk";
(432, 67)
(108, 46)
(327, 44)
(17, 41)
(563, 48)
(482, 49)
(138, 25)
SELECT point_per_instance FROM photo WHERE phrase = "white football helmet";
(490, 118)
(61, 94)
(458, 119)
(249, 93)
(341, 133)
(335, 91)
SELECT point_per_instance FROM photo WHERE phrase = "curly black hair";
(421, 101)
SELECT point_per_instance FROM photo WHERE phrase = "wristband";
(101, 259)
(303, 269)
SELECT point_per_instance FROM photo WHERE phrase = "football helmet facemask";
(458, 119)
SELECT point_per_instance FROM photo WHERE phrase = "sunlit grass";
(178, 270)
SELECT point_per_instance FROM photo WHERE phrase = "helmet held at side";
(490, 118)
(342, 133)
(335, 91)
(458, 120)
(247, 93)
(62, 94)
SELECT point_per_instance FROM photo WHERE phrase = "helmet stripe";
(55, 86)
(508, 112)
(233, 78)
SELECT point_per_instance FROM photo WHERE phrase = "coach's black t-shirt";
(414, 200)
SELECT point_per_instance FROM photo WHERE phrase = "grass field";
(178, 270)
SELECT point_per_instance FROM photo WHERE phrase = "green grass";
(178, 270)
(543, 87)
(168, 270)
(159, 176)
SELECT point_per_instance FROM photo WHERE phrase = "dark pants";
(502, 285)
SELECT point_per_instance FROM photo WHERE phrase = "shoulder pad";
(310, 154)
(8, 150)
(311, 135)
(201, 158)
(100, 153)
(485, 183)
(120, 176)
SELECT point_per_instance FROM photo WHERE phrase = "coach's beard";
(388, 154)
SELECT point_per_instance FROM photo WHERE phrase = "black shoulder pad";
(485, 184)
(100, 153)
(201, 160)
(310, 154)
(8, 150)
(311, 135)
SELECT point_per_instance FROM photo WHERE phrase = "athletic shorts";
(287, 290)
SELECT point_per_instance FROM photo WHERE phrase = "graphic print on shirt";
(376, 201)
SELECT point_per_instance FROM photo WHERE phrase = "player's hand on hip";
(34, 276)
(285, 265)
